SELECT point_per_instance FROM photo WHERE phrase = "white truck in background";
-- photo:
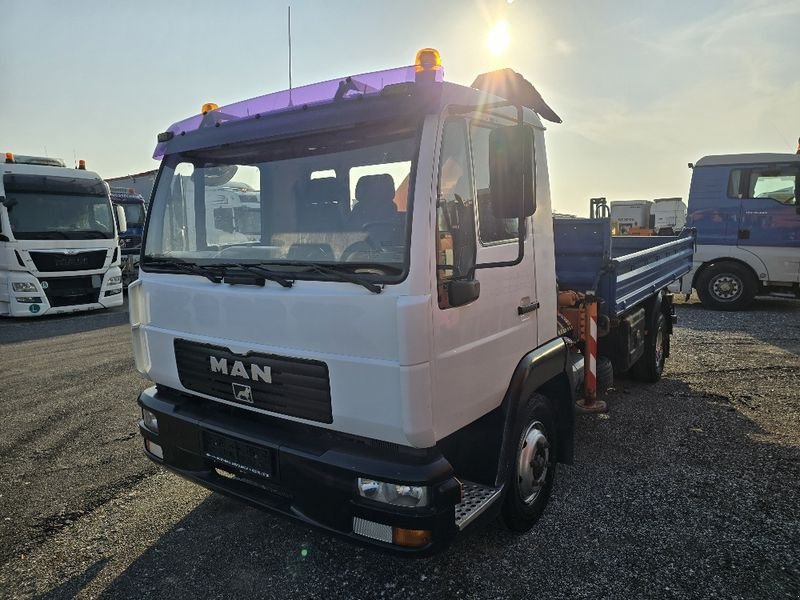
(662, 216)
(59, 244)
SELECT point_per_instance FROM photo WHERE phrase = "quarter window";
(455, 210)
(735, 184)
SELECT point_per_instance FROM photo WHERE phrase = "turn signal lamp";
(411, 538)
(208, 107)
(82, 165)
(9, 157)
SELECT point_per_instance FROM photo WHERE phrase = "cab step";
(476, 499)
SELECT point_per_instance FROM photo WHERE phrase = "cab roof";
(328, 104)
(747, 159)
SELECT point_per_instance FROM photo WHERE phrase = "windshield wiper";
(257, 270)
(336, 273)
(186, 267)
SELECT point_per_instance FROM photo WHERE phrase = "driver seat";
(374, 201)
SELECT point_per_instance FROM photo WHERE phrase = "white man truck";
(59, 245)
(382, 356)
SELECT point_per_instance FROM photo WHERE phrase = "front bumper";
(49, 298)
(313, 471)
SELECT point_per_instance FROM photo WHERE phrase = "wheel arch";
(543, 371)
(725, 259)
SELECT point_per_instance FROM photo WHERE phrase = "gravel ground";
(685, 489)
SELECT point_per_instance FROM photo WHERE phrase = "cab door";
(769, 224)
(476, 346)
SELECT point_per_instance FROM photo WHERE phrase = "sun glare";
(498, 39)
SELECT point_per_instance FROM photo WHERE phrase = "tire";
(528, 487)
(605, 374)
(726, 286)
(656, 347)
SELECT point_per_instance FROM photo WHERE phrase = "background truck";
(389, 356)
(130, 240)
(59, 245)
(744, 208)
(662, 216)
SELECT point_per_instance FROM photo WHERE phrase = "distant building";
(140, 183)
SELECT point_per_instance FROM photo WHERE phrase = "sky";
(644, 87)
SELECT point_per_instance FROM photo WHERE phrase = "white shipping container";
(669, 215)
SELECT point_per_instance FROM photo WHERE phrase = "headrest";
(375, 188)
(326, 190)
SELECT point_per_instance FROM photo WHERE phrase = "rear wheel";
(656, 344)
(531, 474)
(726, 286)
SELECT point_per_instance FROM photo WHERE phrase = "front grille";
(289, 386)
(71, 291)
(48, 262)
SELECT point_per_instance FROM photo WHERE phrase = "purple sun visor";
(315, 93)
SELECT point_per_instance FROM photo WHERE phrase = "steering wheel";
(361, 250)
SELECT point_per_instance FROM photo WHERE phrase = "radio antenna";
(289, 11)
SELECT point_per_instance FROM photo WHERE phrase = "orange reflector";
(411, 538)
(9, 157)
(428, 59)
(208, 107)
(82, 165)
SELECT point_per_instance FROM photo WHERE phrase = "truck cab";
(744, 208)
(58, 239)
(130, 239)
(373, 346)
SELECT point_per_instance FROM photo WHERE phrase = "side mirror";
(511, 171)
(122, 221)
(463, 291)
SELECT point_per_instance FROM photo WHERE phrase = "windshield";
(134, 214)
(57, 208)
(340, 200)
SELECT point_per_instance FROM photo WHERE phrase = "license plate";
(241, 456)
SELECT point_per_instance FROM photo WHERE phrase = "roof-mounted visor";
(316, 93)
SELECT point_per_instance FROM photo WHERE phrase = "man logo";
(240, 369)
(242, 393)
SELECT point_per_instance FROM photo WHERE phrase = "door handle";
(744, 234)
(524, 309)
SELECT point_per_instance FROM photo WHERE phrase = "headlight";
(23, 286)
(150, 420)
(397, 494)
(115, 280)
(29, 299)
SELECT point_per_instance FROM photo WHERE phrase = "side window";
(491, 229)
(778, 184)
(735, 184)
(455, 210)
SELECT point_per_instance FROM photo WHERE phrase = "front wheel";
(531, 475)
(726, 286)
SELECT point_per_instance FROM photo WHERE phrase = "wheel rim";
(726, 287)
(659, 347)
(533, 462)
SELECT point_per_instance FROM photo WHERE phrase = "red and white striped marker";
(590, 345)
(589, 402)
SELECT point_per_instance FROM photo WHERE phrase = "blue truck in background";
(745, 211)
(130, 241)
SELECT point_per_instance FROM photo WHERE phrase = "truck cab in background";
(130, 239)
(744, 208)
(59, 244)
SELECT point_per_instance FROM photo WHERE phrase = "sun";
(498, 39)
